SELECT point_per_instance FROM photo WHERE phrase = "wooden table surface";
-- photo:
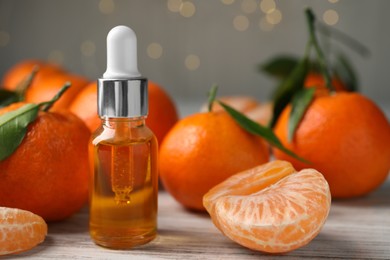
(355, 229)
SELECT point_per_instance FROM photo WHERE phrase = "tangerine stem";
(22, 86)
(212, 95)
(320, 55)
(48, 104)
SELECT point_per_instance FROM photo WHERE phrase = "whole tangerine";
(45, 88)
(201, 151)
(21, 70)
(48, 173)
(346, 137)
(85, 106)
(162, 111)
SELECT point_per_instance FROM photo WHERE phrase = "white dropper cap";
(121, 54)
(122, 92)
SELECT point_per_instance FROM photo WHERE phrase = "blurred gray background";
(188, 45)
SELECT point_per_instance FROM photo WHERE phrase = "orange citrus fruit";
(47, 82)
(162, 111)
(20, 230)
(346, 137)
(85, 106)
(202, 150)
(314, 79)
(249, 106)
(21, 70)
(270, 208)
(45, 88)
(48, 173)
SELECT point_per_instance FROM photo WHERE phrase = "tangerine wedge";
(270, 208)
(20, 230)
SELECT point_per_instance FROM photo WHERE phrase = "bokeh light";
(88, 48)
(192, 62)
(267, 6)
(274, 17)
(241, 23)
(154, 50)
(174, 5)
(227, 2)
(187, 9)
(330, 17)
(106, 6)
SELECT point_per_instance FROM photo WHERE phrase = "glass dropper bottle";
(123, 152)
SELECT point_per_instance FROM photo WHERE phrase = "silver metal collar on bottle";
(122, 98)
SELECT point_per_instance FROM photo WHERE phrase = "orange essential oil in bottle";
(123, 152)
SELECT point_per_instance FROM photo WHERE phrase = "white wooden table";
(355, 229)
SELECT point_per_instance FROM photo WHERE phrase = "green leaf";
(8, 97)
(212, 94)
(288, 87)
(346, 72)
(280, 66)
(13, 125)
(342, 37)
(300, 103)
(13, 128)
(259, 130)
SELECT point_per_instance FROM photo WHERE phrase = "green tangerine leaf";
(13, 128)
(342, 37)
(279, 66)
(346, 72)
(259, 130)
(288, 87)
(299, 104)
(8, 97)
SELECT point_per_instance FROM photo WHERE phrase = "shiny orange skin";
(346, 137)
(47, 82)
(239, 103)
(162, 111)
(45, 89)
(314, 79)
(21, 70)
(201, 151)
(261, 113)
(85, 106)
(48, 173)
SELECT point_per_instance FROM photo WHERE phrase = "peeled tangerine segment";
(20, 230)
(270, 208)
